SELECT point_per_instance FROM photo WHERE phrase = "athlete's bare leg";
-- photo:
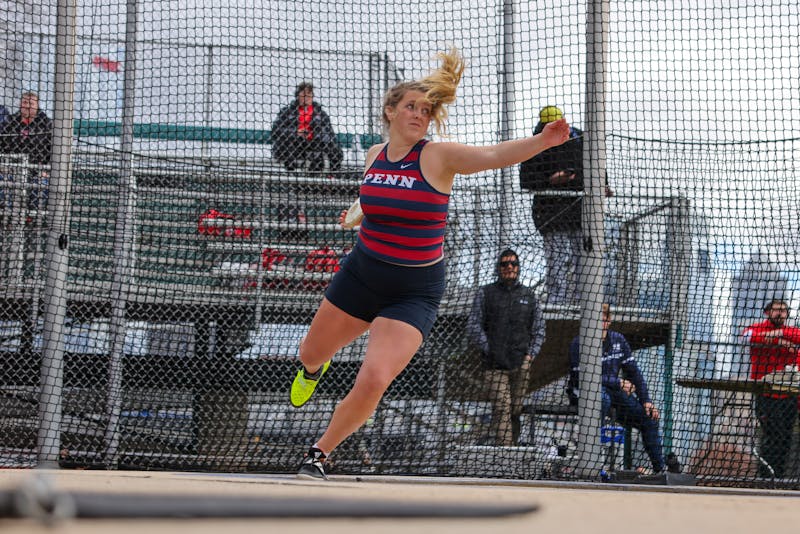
(330, 330)
(391, 346)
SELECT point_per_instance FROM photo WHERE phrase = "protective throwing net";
(169, 226)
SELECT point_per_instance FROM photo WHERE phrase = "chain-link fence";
(165, 243)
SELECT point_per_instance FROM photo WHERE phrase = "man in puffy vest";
(507, 327)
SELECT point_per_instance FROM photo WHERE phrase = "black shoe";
(312, 466)
(673, 465)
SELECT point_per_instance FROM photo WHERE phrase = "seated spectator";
(628, 394)
(302, 133)
(30, 132)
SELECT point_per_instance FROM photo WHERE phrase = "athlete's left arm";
(467, 159)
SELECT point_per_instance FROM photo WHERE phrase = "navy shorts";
(367, 288)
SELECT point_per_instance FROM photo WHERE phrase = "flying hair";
(439, 88)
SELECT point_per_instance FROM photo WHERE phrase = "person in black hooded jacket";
(29, 132)
(507, 327)
(303, 132)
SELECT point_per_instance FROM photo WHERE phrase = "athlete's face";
(412, 114)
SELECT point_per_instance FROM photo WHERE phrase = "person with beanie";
(556, 178)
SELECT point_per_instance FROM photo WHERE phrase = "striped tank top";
(404, 216)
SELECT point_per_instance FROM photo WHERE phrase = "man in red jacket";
(773, 348)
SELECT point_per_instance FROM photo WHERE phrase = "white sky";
(685, 69)
(682, 71)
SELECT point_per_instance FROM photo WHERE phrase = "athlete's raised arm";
(457, 158)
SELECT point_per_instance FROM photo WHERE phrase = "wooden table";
(760, 387)
(779, 383)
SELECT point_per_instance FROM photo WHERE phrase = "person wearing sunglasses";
(507, 328)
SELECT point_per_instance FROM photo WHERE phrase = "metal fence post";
(55, 295)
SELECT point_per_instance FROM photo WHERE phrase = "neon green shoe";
(303, 386)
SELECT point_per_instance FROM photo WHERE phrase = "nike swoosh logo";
(405, 165)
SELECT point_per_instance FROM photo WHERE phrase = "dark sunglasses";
(509, 263)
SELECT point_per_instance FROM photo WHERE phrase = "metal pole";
(386, 84)
(593, 268)
(507, 110)
(123, 243)
(477, 217)
(374, 76)
(680, 254)
(207, 103)
(55, 295)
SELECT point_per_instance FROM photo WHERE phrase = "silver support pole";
(679, 240)
(374, 77)
(123, 243)
(507, 111)
(55, 295)
(477, 261)
(208, 102)
(386, 83)
(593, 268)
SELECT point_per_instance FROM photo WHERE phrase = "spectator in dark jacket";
(30, 132)
(302, 133)
(627, 394)
(556, 178)
(507, 327)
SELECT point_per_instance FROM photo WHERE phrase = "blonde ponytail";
(439, 88)
(442, 84)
